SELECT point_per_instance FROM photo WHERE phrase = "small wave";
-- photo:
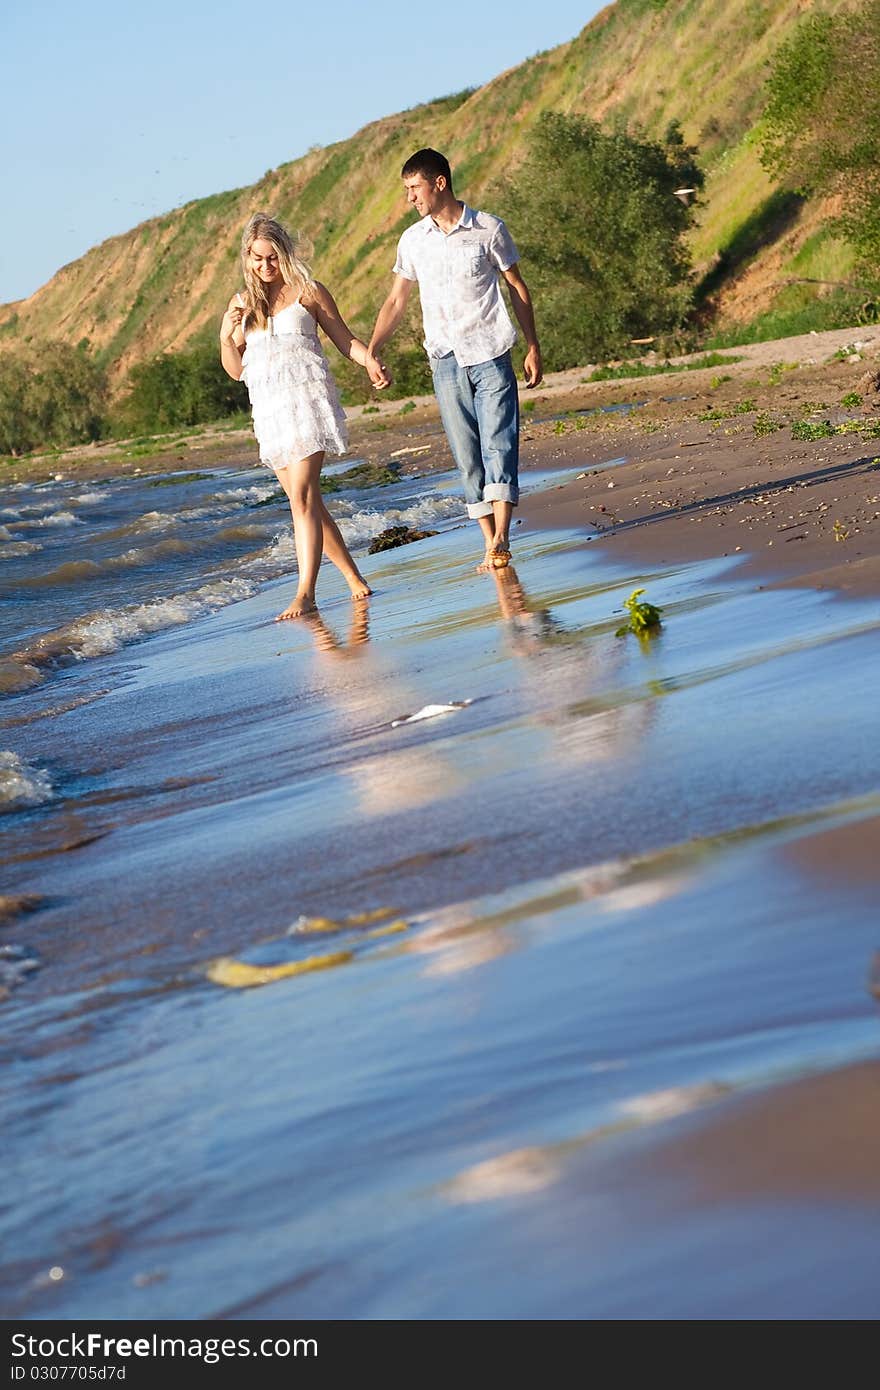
(13, 546)
(16, 964)
(97, 634)
(56, 519)
(149, 521)
(9, 552)
(246, 496)
(361, 527)
(187, 514)
(28, 510)
(21, 784)
(17, 674)
(248, 531)
(85, 499)
(73, 571)
(278, 558)
(358, 528)
(108, 631)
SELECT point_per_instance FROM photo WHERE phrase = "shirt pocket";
(469, 262)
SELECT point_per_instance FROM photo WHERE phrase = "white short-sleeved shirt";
(458, 278)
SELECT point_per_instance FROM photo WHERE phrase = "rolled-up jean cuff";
(478, 509)
(501, 492)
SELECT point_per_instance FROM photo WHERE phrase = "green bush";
(822, 121)
(178, 388)
(601, 236)
(50, 394)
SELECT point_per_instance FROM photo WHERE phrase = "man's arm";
(391, 313)
(521, 301)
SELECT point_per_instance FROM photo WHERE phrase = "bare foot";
(298, 608)
(497, 558)
(360, 589)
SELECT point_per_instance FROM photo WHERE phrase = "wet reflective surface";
(338, 1015)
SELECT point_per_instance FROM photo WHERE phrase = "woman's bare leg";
(301, 483)
(337, 551)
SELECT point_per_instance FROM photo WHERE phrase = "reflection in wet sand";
(562, 669)
(362, 687)
(326, 639)
(468, 934)
(525, 1172)
(516, 1174)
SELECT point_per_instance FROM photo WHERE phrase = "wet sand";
(560, 1004)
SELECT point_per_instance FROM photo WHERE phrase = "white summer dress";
(294, 401)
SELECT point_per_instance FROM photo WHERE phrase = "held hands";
(378, 373)
(533, 369)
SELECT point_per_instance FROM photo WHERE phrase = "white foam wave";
(363, 526)
(247, 496)
(85, 499)
(8, 552)
(197, 513)
(56, 519)
(20, 783)
(277, 558)
(28, 509)
(107, 631)
(357, 529)
(152, 521)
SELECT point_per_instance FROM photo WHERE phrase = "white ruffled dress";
(294, 401)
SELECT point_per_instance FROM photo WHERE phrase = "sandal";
(500, 558)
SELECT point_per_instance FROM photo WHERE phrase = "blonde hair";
(292, 251)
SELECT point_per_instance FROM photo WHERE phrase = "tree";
(601, 235)
(50, 393)
(822, 121)
(177, 389)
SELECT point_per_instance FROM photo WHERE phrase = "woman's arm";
(321, 303)
(232, 338)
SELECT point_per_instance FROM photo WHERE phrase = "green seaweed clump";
(643, 617)
(361, 475)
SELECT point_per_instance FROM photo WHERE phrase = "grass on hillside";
(797, 312)
(630, 369)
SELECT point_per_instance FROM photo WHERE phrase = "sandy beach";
(451, 956)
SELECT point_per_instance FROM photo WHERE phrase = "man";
(458, 256)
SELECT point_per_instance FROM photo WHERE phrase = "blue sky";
(115, 113)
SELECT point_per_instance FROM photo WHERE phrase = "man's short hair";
(430, 164)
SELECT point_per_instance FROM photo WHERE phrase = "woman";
(269, 340)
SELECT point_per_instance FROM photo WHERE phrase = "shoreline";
(795, 514)
(661, 1006)
(683, 487)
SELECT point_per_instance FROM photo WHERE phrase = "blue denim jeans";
(479, 407)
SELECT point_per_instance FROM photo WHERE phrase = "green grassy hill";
(649, 61)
